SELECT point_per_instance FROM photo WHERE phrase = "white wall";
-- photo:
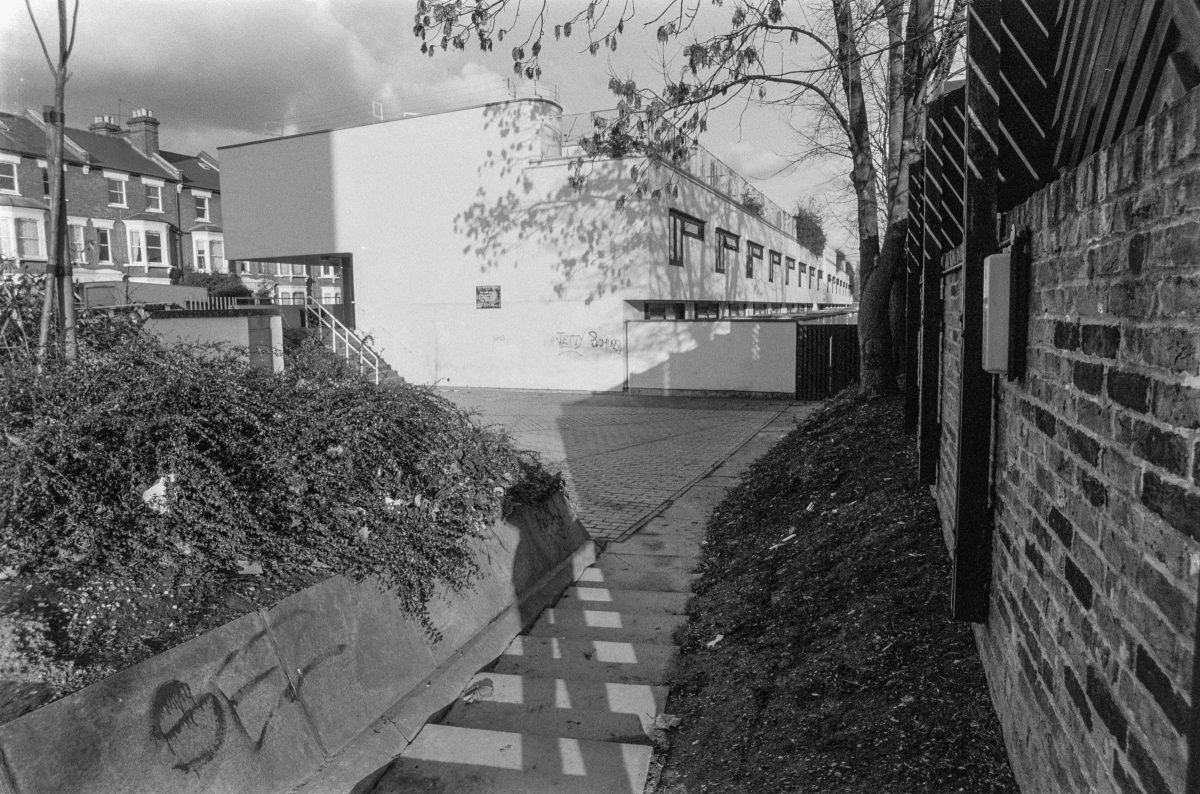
(429, 208)
(725, 355)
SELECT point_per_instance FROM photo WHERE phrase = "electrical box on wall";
(997, 305)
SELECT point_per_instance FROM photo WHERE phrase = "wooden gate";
(826, 360)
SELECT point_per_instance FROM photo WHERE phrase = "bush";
(310, 472)
(810, 228)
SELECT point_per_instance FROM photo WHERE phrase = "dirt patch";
(838, 668)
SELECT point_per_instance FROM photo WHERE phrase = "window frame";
(13, 162)
(775, 260)
(157, 187)
(753, 251)
(680, 226)
(116, 179)
(139, 232)
(723, 238)
(104, 245)
(204, 196)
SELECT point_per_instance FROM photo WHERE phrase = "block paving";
(623, 456)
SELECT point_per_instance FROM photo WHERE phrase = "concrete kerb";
(653, 513)
(263, 702)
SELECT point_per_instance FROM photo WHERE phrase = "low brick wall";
(264, 702)
(1089, 640)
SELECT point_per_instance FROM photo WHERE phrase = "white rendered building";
(469, 257)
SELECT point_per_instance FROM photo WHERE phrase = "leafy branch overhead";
(860, 71)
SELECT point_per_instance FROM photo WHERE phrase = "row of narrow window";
(729, 248)
(116, 191)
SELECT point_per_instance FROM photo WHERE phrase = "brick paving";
(622, 456)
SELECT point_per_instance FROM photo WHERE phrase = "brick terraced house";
(133, 210)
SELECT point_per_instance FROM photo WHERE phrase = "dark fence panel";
(826, 360)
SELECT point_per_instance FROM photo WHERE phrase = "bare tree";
(59, 261)
(866, 66)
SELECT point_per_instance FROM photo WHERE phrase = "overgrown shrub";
(310, 472)
(810, 228)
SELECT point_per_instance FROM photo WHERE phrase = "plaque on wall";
(487, 297)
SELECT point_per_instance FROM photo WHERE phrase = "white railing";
(343, 341)
(226, 302)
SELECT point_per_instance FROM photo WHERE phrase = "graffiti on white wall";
(579, 344)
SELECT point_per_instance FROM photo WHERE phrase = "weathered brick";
(1128, 299)
(1152, 444)
(1106, 708)
(1088, 377)
(1168, 597)
(1176, 506)
(1177, 405)
(1139, 246)
(1075, 692)
(1039, 532)
(1080, 586)
(1179, 297)
(1183, 244)
(1172, 348)
(1094, 417)
(1044, 420)
(1062, 527)
(1147, 771)
(1129, 389)
(1100, 340)
(1121, 777)
(1034, 557)
(1159, 686)
(1081, 444)
(1066, 336)
(1093, 490)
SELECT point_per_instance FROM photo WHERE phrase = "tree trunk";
(877, 371)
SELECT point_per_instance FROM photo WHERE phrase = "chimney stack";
(105, 125)
(840, 256)
(142, 131)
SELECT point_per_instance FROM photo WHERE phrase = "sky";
(219, 72)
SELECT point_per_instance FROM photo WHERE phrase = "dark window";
(8, 177)
(116, 192)
(45, 181)
(683, 226)
(728, 245)
(754, 255)
(707, 311)
(103, 249)
(812, 272)
(664, 311)
(787, 273)
(775, 260)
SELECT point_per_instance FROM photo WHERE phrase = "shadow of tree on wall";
(592, 221)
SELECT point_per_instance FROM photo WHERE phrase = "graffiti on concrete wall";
(578, 344)
(246, 692)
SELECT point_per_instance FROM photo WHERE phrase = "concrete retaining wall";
(267, 701)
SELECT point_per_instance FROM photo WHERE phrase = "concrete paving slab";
(586, 660)
(638, 579)
(557, 707)
(447, 758)
(664, 544)
(606, 624)
(621, 562)
(627, 601)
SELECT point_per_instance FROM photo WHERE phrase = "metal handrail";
(368, 359)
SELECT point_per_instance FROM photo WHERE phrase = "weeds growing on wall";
(305, 474)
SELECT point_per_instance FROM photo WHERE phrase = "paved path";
(574, 705)
(623, 456)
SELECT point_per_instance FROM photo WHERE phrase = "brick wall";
(1089, 640)
(948, 399)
